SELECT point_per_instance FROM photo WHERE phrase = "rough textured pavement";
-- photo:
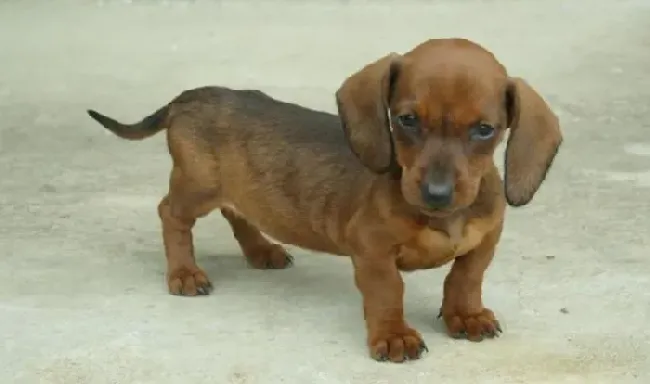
(82, 293)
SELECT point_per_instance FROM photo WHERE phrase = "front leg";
(389, 337)
(462, 305)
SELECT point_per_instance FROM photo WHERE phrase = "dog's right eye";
(409, 122)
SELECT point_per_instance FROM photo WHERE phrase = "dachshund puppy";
(408, 183)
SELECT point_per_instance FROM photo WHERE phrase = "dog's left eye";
(482, 132)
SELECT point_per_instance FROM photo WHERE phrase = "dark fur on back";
(298, 125)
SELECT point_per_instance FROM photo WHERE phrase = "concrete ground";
(82, 293)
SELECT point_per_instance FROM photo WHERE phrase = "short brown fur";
(286, 171)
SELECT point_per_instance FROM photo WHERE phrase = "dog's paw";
(186, 281)
(475, 327)
(397, 347)
(269, 256)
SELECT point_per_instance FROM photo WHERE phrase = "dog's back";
(262, 122)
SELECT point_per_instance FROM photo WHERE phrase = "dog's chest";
(433, 248)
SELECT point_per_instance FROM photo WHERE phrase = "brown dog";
(418, 190)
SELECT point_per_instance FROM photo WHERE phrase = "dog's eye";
(482, 132)
(409, 122)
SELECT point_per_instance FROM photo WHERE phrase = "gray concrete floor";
(82, 293)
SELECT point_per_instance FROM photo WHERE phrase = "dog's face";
(436, 115)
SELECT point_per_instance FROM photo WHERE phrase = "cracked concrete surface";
(82, 296)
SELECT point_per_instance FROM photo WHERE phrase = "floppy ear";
(362, 102)
(533, 142)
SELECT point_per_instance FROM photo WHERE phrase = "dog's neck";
(452, 225)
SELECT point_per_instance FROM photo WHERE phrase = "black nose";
(437, 194)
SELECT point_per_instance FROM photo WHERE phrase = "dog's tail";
(148, 126)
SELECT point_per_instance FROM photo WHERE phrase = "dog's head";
(435, 115)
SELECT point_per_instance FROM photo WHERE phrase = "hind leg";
(260, 252)
(186, 202)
